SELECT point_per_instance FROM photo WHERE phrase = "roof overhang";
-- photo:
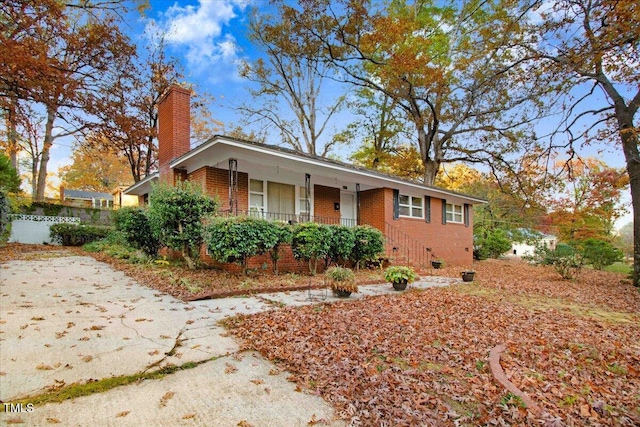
(143, 186)
(282, 165)
(287, 166)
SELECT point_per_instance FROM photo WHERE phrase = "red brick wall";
(199, 177)
(174, 126)
(179, 175)
(451, 242)
(323, 202)
(286, 264)
(372, 208)
(215, 182)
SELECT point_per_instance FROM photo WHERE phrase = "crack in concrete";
(177, 343)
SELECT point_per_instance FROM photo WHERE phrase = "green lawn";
(619, 267)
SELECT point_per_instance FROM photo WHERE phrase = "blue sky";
(209, 37)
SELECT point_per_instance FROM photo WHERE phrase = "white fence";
(35, 228)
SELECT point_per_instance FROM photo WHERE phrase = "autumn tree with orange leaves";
(55, 56)
(589, 204)
(127, 109)
(447, 67)
(100, 170)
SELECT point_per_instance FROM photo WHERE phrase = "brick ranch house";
(419, 222)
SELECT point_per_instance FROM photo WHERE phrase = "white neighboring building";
(520, 249)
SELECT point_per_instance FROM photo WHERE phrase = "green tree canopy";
(9, 178)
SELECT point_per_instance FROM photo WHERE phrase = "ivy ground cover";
(421, 358)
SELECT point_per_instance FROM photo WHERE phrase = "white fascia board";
(145, 181)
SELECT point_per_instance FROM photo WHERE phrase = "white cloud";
(200, 29)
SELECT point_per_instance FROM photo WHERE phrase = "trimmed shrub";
(4, 214)
(176, 218)
(77, 235)
(134, 223)
(600, 253)
(236, 239)
(284, 235)
(369, 244)
(341, 244)
(493, 244)
(311, 242)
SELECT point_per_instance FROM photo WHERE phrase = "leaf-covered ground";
(421, 358)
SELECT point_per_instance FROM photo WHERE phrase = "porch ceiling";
(264, 165)
(282, 165)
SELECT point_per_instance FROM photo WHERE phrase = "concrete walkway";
(73, 319)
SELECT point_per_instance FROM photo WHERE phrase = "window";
(304, 209)
(410, 206)
(256, 197)
(273, 200)
(454, 213)
(281, 201)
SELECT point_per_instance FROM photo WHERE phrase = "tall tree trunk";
(44, 158)
(34, 176)
(632, 157)
(629, 137)
(12, 134)
(633, 167)
(431, 168)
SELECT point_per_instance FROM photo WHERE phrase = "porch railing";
(294, 218)
(403, 248)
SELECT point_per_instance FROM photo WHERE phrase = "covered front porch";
(274, 183)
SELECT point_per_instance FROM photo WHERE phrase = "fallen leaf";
(43, 367)
(167, 396)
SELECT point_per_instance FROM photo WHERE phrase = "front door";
(348, 209)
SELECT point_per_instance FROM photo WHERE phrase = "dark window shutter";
(427, 208)
(396, 204)
(444, 211)
(466, 214)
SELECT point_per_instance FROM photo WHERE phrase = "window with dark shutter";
(444, 211)
(466, 214)
(396, 204)
(427, 208)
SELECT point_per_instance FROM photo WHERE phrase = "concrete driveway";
(72, 319)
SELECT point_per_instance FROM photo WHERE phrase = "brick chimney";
(174, 127)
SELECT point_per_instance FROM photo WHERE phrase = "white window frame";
(411, 206)
(261, 211)
(300, 200)
(452, 214)
(299, 196)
